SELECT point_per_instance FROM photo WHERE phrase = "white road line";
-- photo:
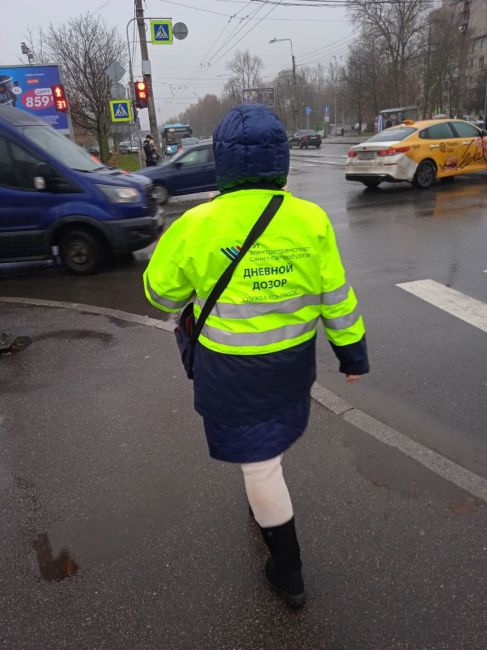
(470, 310)
(435, 462)
(447, 469)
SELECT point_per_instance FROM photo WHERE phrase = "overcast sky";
(197, 65)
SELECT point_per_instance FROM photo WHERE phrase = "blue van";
(54, 194)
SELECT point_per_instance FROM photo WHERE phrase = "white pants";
(267, 492)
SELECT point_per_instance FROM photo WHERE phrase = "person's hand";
(351, 379)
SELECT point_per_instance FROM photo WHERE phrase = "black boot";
(283, 568)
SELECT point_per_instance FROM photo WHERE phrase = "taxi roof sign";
(161, 31)
(121, 110)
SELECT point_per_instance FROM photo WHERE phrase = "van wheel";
(162, 194)
(82, 252)
(425, 175)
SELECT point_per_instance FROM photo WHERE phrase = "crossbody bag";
(188, 329)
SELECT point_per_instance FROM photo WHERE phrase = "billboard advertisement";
(258, 96)
(28, 87)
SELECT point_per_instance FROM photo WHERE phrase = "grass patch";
(128, 161)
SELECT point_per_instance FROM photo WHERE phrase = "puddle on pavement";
(12, 344)
(53, 568)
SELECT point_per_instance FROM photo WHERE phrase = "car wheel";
(305, 146)
(301, 146)
(318, 145)
(425, 175)
(372, 182)
(81, 251)
(162, 194)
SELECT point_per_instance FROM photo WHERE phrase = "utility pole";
(146, 69)
(294, 98)
(295, 90)
(335, 84)
(461, 81)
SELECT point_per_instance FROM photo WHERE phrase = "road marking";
(431, 460)
(470, 310)
(447, 469)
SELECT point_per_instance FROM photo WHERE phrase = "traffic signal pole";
(139, 13)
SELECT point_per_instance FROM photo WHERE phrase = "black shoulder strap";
(258, 228)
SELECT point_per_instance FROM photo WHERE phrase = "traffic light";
(60, 101)
(141, 94)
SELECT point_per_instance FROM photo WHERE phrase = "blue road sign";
(161, 31)
(121, 110)
(308, 110)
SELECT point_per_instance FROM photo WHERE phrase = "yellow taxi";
(418, 152)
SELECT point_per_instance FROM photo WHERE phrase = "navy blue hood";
(250, 146)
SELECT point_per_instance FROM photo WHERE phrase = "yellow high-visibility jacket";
(290, 279)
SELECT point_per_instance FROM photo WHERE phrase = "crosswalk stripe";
(470, 310)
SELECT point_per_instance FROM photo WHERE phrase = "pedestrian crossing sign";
(161, 31)
(121, 110)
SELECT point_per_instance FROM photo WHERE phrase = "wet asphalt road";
(428, 377)
(117, 529)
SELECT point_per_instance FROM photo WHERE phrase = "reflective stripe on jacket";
(290, 279)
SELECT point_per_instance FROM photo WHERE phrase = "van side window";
(26, 165)
(8, 177)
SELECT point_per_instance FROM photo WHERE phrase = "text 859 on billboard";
(38, 99)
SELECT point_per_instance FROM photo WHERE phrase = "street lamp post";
(335, 84)
(28, 52)
(294, 94)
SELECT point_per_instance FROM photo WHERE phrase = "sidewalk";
(103, 458)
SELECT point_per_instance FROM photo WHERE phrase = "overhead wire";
(238, 29)
(243, 21)
(246, 34)
(206, 55)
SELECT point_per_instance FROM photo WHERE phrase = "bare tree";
(84, 47)
(246, 69)
(204, 115)
(400, 30)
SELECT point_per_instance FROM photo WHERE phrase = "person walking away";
(150, 152)
(255, 358)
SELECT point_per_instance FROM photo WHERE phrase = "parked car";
(94, 150)
(186, 142)
(418, 152)
(190, 171)
(305, 138)
(54, 194)
(128, 147)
